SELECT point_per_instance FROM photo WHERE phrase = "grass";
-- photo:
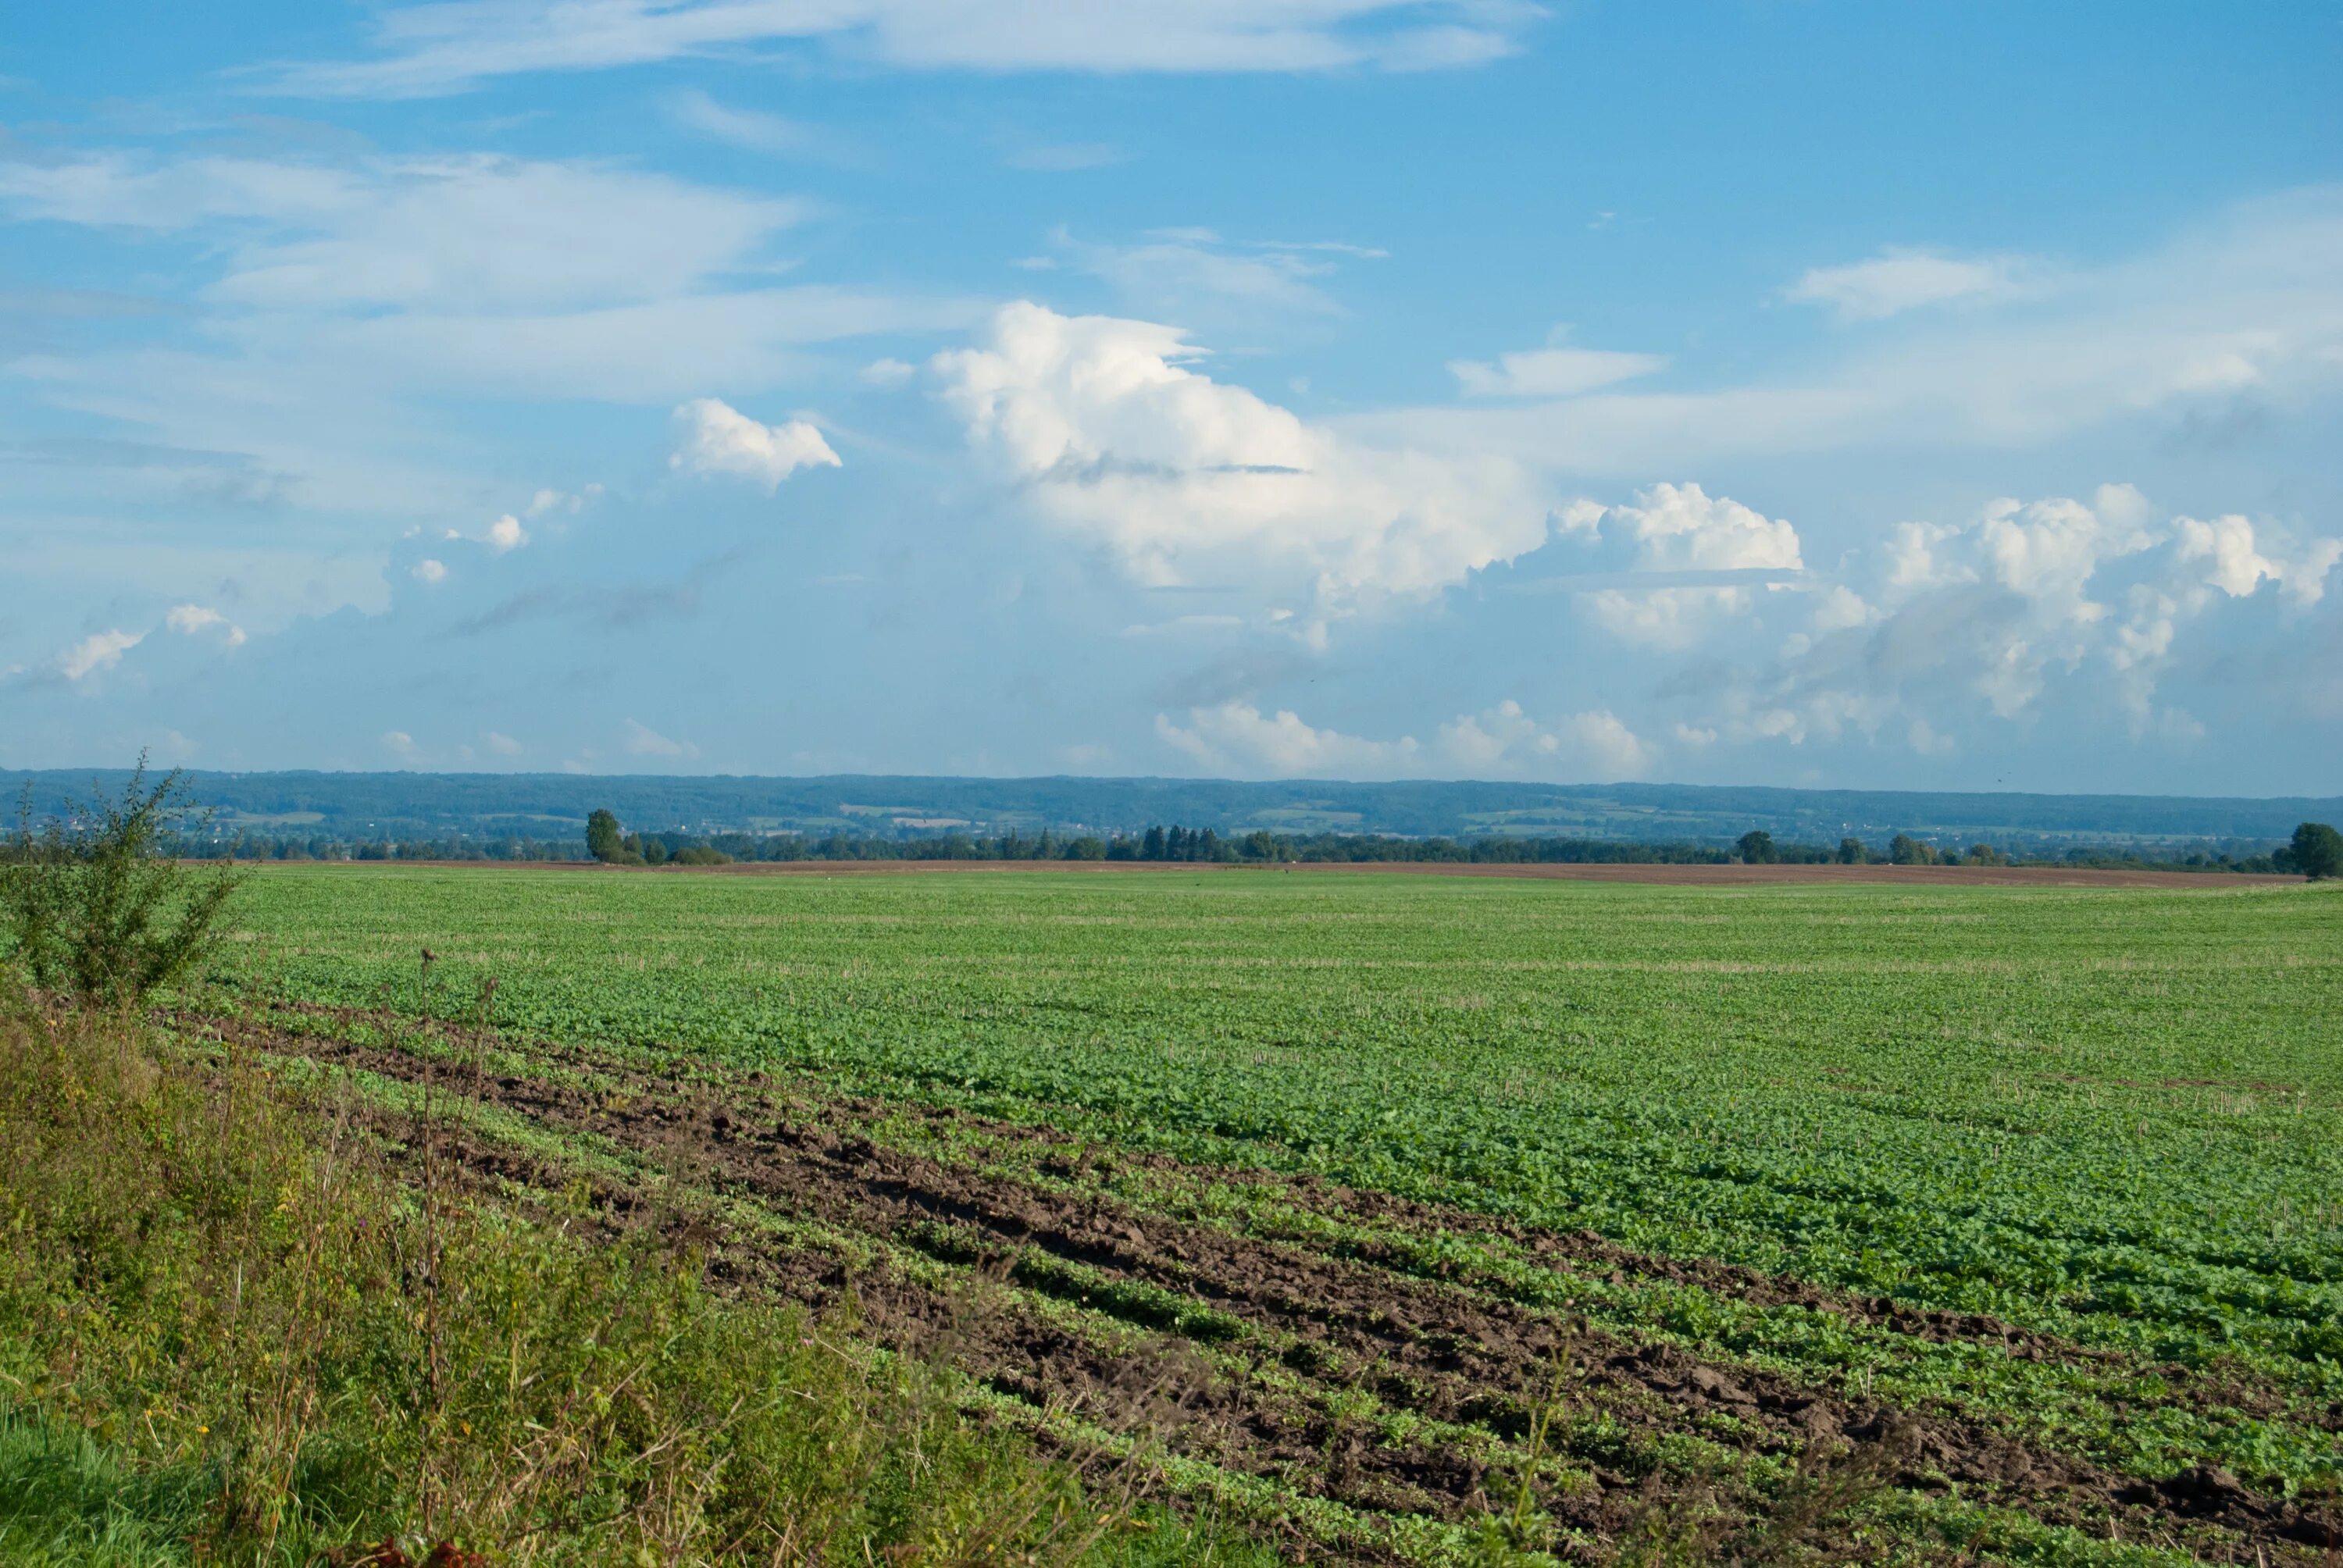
(242, 1322)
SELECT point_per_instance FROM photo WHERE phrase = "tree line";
(2315, 850)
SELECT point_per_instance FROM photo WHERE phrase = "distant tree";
(1905, 851)
(1987, 855)
(1175, 844)
(702, 855)
(1151, 848)
(1089, 847)
(603, 840)
(654, 850)
(1851, 852)
(2317, 851)
(1756, 848)
(1207, 845)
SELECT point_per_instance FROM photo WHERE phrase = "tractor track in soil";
(1339, 1323)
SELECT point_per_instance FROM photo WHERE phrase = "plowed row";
(1367, 1404)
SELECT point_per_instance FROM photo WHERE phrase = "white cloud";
(1196, 277)
(2304, 581)
(96, 653)
(888, 373)
(642, 740)
(1694, 546)
(341, 282)
(460, 43)
(1498, 742)
(399, 744)
(428, 571)
(187, 619)
(467, 233)
(1668, 618)
(503, 745)
(1594, 747)
(753, 129)
(2250, 302)
(551, 500)
(1896, 280)
(1556, 370)
(2091, 600)
(1239, 735)
(1680, 527)
(504, 535)
(715, 438)
(1118, 441)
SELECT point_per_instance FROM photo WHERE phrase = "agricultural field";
(1437, 1219)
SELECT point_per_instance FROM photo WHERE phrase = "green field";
(2060, 1167)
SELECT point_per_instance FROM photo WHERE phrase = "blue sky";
(1919, 395)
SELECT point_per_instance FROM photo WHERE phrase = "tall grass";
(229, 1332)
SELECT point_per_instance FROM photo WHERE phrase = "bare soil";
(1686, 876)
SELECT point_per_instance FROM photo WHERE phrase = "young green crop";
(2114, 1114)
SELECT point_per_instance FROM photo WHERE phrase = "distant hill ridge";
(361, 806)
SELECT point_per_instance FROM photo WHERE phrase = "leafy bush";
(95, 907)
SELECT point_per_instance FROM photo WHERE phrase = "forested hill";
(543, 806)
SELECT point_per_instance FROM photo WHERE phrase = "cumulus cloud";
(96, 653)
(714, 439)
(428, 571)
(1501, 741)
(1896, 280)
(1947, 624)
(503, 745)
(399, 744)
(1681, 564)
(1594, 747)
(1682, 527)
(1118, 439)
(189, 619)
(1239, 735)
(504, 535)
(1668, 618)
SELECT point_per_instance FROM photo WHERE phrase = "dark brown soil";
(1306, 1326)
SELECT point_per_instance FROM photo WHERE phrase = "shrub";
(95, 907)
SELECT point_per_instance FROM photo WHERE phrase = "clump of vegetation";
(2316, 851)
(226, 1328)
(95, 907)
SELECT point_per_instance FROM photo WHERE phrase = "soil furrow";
(1415, 1343)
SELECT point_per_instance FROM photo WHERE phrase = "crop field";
(1438, 1219)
